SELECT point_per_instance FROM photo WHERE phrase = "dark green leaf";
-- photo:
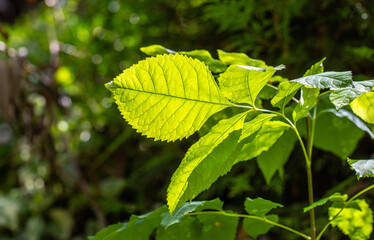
(218, 227)
(255, 227)
(259, 207)
(188, 228)
(273, 159)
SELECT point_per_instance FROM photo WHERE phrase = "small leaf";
(286, 90)
(214, 65)
(259, 207)
(255, 227)
(273, 159)
(344, 96)
(315, 68)
(331, 80)
(205, 161)
(168, 220)
(241, 85)
(167, 97)
(154, 50)
(239, 58)
(363, 106)
(357, 224)
(363, 168)
(354, 119)
(254, 143)
(336, 197)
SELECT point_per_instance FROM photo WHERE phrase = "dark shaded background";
(69, 163)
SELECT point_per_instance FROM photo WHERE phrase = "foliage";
(240, 137)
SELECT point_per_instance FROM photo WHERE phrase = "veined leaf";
(331, 80)
(241, 85)
(168, 220)
(254, 143)
(336, 197)
(138, 228)
(354, 119)
(205, 161)
(363, 106)
(167, 97)
(363, 168)
(344, 96)
(154, 50)
(286, 90)
(273, 159)
(239, 58)
(357, 224)
(214, 65)
(259, 206)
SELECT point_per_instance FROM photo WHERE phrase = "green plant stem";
(253, 217)
(345, 205)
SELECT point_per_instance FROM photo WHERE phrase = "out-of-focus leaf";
(214, 65)
(218, 227)
(337, 135)
(9, 211)
(363, 106)
(188, 228)
(357, 224)
(259, 206)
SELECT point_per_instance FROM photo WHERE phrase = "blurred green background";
(69, 163)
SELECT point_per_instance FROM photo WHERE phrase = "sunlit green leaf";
(363, 167)
(315, 68)
(205, 161)
(363, 106)
(307, 101)
(336, 197)
(167, 97)
(255, 227)
(255, 142)
(214, 65)
(286, 90)
(344, 96)
(241, 85)
(357, 224)
(239, 58)
(331, 80)
(273, 159)
(154, 50)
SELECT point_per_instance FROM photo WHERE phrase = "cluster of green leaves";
(171, 96)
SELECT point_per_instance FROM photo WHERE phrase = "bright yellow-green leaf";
(241, 85)
(357, 224)
(363, 106)
(167, 97)
(205, 161)
(239, 58)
